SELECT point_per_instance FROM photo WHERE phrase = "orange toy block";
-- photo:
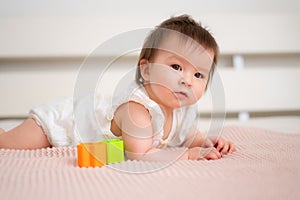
(92, 154)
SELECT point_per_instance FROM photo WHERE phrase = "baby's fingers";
(232, 148)
(225, 148)
(219, 144)
(213, 154)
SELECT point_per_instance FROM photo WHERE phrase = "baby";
(158, 110)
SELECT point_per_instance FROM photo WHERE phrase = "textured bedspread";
(265, 166)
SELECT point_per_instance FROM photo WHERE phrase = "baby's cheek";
(162, 92)
(198, 92)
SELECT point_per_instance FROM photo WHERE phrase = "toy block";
(115, 150)
(92, 154)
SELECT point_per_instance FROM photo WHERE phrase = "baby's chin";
(182, 104)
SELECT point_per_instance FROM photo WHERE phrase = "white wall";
(43, 43)
(74, 28)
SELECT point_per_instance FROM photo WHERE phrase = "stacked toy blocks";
(97, 154)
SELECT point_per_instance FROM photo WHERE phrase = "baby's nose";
(185, 81)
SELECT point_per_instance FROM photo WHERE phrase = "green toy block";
(115, 150)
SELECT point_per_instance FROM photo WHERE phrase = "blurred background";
(43, 43)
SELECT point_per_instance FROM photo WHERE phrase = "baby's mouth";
(181, 94)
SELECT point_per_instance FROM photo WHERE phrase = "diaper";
(67, 123)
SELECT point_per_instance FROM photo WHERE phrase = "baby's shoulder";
(132, 112)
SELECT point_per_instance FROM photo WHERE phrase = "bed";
(261, 86)
(265, 166)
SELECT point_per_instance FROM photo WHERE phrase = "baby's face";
(179, 78)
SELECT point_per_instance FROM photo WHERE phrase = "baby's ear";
(144, 68)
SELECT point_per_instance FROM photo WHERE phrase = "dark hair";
(183, 24)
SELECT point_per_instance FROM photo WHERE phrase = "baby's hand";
(199, 153)
(221, 145)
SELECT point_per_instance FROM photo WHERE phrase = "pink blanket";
(265, 166)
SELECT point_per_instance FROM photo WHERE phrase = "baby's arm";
(27, 135)
(134, 121)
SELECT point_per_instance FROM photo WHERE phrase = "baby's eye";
(198, 75)
(176, 67)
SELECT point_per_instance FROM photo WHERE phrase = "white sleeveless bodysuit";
(66, 126)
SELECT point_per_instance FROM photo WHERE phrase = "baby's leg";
(28, 135)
